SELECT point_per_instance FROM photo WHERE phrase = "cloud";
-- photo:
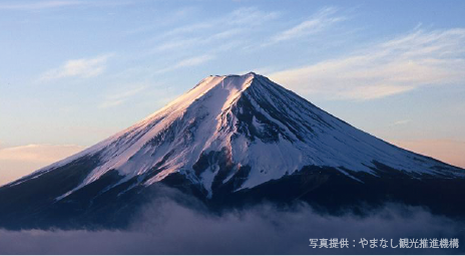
(250, 16)
(39, 5)
(318, 22)
(194, 61)
(180, 43)
(401, 122)
(402, 64)
(188, 62)
(215, 32)
(196, 43)
(168, 228)
(449, 151)
(16, 162)
(120, 98)
(44, 5)
(83, 68)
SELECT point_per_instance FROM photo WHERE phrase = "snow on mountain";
(244, 126)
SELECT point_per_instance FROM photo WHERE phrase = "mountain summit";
(234, 138)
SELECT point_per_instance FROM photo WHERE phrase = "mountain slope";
(227, 137)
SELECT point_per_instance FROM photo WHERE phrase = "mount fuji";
(229, 142)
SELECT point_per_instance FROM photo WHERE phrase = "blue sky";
(74, 72)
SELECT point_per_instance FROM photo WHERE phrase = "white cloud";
(39, 5)
(318, 22)
(191, 42)
(249, 16)
(120, 98)
(83, 68)
(189, 62)
(43, 5)
(230, 28)
(401, 122)
(16, 162)
(405, 63)
(194, 61)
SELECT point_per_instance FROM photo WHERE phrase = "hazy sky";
(74, 72)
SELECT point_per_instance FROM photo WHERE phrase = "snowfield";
(248, 127)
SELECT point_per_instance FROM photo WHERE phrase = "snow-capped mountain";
(229, 135)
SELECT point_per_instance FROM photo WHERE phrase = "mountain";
(231, 141)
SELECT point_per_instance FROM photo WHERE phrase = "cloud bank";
(168, 228)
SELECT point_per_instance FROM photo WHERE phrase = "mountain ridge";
(230, 140)
(214, 98)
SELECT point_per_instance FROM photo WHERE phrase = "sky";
(72, 73)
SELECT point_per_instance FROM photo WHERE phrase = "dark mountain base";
(28, 206)
(330, 191)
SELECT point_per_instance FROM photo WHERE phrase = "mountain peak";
(247, 130)
(229, 81)
(250, 73)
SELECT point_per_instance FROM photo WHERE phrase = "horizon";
(78, 72)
